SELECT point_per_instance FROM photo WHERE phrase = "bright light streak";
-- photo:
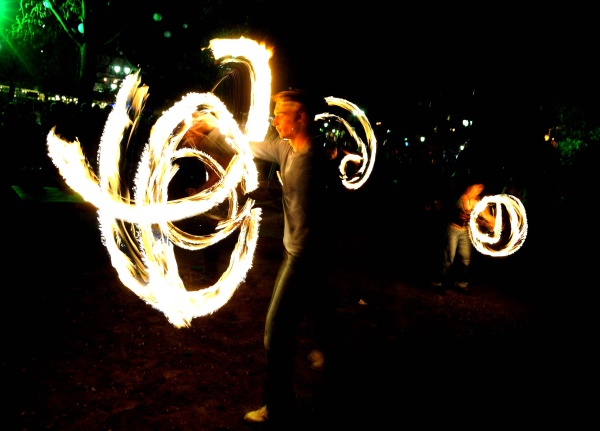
(257, 57)
(367, 152)
(517, 220)
(143, 255)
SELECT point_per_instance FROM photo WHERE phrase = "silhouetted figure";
(457, 246)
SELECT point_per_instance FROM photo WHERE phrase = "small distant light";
(167, 34)
(157, 17)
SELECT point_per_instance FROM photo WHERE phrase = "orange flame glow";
(517, 221)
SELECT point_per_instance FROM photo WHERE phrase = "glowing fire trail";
(148, 265)
(150, 269)
(366, 159)
(517, 220)
(256, 57)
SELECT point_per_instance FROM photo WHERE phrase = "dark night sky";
(383, 56)
(404, 55)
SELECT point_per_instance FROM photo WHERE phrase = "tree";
(577, 139)
(72, 33)
(574, 132)
(13, 55)
(47, 23)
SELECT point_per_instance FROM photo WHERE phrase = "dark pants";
(300, 290)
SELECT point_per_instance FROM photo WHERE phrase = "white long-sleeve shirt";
(303, 176)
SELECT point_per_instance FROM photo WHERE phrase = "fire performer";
(457, 248)
(300, 286)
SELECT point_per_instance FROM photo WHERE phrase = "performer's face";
(287, 119)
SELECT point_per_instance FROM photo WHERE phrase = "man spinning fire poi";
(305, 175)
(303, 166)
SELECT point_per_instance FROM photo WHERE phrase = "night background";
(503, 91)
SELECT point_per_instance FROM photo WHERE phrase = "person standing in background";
(457, 247)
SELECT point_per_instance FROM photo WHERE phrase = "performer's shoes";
(317, 360)
(437, 287)
(257, 416)
(463, 287)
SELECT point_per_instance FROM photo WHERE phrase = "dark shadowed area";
(82, 351)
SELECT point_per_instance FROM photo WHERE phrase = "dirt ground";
(82, 352)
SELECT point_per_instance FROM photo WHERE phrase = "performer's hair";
(310, 103)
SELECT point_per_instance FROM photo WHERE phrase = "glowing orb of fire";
(499, 241)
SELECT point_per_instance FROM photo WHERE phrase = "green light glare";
(8, 13)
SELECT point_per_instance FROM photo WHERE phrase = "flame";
(517, 220)
(139, 233)
(366, 159)
(257, 57)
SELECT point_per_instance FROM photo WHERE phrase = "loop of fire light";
(139, 234)
(368, 153)
(517, 220)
